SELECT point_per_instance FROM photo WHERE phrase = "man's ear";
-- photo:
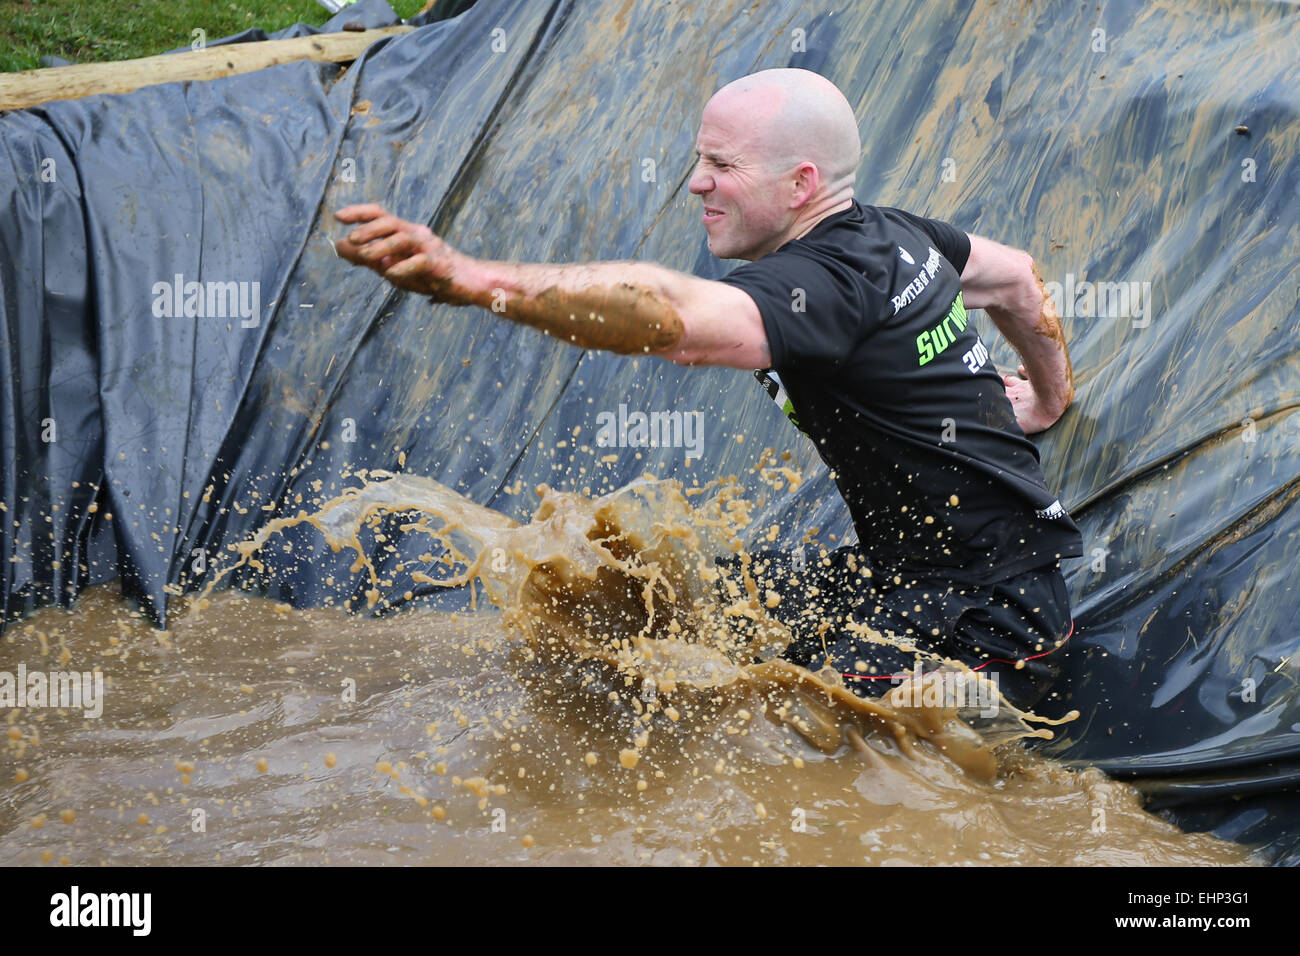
(806, 180)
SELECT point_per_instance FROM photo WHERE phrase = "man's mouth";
(711, 215)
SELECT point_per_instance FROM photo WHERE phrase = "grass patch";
(87, 31)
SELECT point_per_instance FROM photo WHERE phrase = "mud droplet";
(628, 758)
(261, 765)
(67, 816)
(330, 760)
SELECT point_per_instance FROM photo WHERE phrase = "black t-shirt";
(879, 364)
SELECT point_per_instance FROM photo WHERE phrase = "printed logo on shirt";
(933, 341)
(914, 288)
(771, 383)
(906, 256)
(1054, 510)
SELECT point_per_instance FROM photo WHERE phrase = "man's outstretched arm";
(1004, 283)
(625, 307)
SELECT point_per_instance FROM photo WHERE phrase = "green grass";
(87, 31)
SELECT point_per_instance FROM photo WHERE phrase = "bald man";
(855, 318)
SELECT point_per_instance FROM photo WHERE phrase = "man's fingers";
(402, 252)
(360, 213)
(410, 266)
(399, 244)
(374, 254)
(357, 254)
(349, 251)
(385, 225)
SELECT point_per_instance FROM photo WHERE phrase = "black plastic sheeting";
(1153, 144)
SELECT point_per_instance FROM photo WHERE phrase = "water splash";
(632, 579)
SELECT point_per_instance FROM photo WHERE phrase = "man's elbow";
(738, 355)
(679, 356)
(1000, 277)
(1027, 291)
(698, 356)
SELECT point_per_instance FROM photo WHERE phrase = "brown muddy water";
(602, 705)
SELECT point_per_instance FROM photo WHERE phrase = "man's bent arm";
(624, 307)
(627, 307)
(1005, 283)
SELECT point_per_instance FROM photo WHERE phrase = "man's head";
(778, 151)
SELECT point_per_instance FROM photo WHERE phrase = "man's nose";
(700, 182)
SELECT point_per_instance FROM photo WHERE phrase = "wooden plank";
(30, 87)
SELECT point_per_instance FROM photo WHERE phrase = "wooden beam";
(31, 87)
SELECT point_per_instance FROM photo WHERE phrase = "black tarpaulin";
(1145, 153)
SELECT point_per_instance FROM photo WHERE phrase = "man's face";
(746, 206)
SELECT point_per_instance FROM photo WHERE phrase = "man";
(858, 316)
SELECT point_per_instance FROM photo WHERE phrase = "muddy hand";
(1030, 414)
(405, 253)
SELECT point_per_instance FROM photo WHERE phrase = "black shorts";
(1009, 629)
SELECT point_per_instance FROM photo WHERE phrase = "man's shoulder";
(866, 217)
(821, 295)
(951, 241)
(855, 238)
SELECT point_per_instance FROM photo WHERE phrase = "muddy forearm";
(1034, 328)
(622, 307)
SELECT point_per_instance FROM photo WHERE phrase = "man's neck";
(817, 215)
(807, 220)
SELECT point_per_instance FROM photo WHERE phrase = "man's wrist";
(468, 276)
(1055, 392)
(465, 282)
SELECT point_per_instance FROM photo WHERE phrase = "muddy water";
(604, 707)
